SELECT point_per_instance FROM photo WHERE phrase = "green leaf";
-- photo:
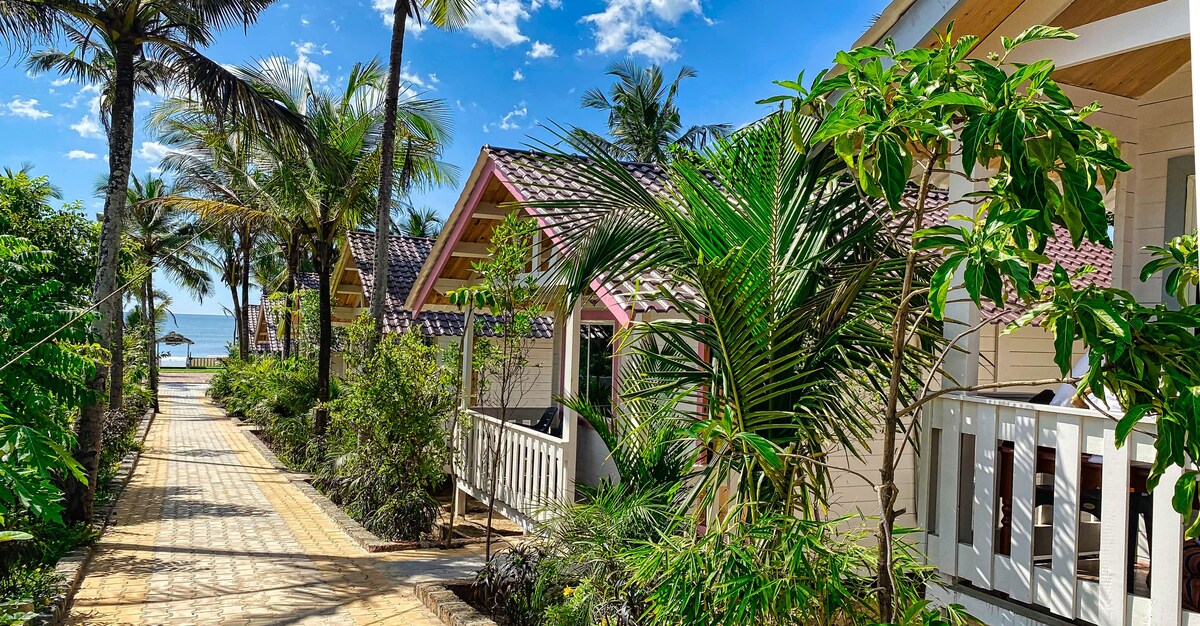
(973, 134)
(939, 285)
(1185, 494)
(954, 98)
(1037, 33)
(14, 535)
(895, 166)
(1131, 418)
(835, 126)
(1064, 343)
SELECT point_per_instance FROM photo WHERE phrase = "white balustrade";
(1061, 551)
(531, 473)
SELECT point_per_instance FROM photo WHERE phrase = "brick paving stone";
(208, 532)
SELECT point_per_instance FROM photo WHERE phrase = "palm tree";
(794, 280)
(150, 75)
(643, 118)
(419, 223)
(163, 239)
(172, 32)
(332, 187)
(447, 14)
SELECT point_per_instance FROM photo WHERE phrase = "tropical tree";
(173, 32)
(644, 122)
(419, 223)
(331, 185)
(448, 14)
(900, 116)
(163, 239)
(783, 284)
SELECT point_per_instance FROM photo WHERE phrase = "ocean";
(212, 335)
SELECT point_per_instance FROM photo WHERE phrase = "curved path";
(208, 532)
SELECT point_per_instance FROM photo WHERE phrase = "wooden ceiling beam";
(470, 250)
(490, 211)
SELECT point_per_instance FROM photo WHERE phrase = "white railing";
(1038, 503)
(531, 473)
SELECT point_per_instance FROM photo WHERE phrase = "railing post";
(570, 387)
(1166, 554)
(1114, 532)
(1065, 529)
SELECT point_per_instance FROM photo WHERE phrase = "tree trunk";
(246, 243)
(387, 160)
(151, 337)
(322, 257)
(293, 267)
(89, 427)
(237, 310)
(116, 373)
(888, 492)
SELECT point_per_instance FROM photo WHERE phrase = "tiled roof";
(543, 177)
(308, 280)
(406, 255)
(1059, 248)
(252, 326)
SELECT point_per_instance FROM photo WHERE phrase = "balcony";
(1036, 504)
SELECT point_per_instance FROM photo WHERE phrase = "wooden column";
(467, 467)
(570, 387)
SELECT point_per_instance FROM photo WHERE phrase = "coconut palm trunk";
(247, 247)
(90, 426)
(116, 372)
(152, 336)
(387, 159)
(293, 268)
(323, 258)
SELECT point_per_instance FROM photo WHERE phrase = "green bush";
(387, 438)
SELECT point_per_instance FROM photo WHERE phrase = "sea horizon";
(211, 335)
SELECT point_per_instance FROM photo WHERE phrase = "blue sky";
(520, 63)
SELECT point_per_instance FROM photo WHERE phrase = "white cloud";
(385, 9)
(304, 53)
(518, 76)
(540, 50)
(511, 119)
(496, 21)
(304, 21)
(59, 82)
(553, 4)
(81, 154)
(415, 79)
(26, 108)
(153, 151)
(628, 27)
(91, 92)
(88, 128)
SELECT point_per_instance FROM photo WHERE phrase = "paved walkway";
(208, 532)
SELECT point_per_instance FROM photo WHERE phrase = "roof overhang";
(469, 204)
(1125, 47)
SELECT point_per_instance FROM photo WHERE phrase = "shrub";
(387, 437)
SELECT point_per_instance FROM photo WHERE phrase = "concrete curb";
(72, 566)
(450, 609)
(366, 539)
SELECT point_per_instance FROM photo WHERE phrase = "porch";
(1035, 503)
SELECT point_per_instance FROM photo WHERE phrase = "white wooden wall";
(1025, 354)
(1165, 131)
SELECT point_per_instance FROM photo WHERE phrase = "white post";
(961, 364)
(570, 386)
(1194, 27)
(468, 354)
